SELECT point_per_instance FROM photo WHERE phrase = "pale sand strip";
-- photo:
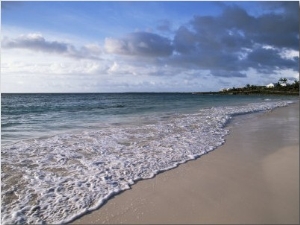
(253, 178)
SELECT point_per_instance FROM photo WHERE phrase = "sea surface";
(63, 155)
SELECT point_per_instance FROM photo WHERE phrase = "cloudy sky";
(146, 46)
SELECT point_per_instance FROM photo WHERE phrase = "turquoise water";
(64, 155)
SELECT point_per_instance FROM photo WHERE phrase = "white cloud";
(115, 46)
(53, 68)
(289, 54)
(140, 44)
(37, 43)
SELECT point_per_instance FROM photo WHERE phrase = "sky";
(145, 46)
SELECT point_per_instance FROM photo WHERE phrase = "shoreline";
(252, 178)
(278, 93)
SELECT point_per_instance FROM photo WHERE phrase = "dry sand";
(253, 178)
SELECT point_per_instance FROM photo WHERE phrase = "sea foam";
(56, 179)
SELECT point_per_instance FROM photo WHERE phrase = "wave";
(58, 178)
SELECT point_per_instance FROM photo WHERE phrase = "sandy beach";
(252, 179)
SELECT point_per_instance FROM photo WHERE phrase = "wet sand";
(252, 179)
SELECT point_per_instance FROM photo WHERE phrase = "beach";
(251, 179)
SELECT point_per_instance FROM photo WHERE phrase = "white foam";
(56, 179)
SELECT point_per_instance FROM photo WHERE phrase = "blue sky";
(146, 46)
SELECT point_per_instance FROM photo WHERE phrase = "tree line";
(280, 87)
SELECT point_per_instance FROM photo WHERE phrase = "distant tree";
(282, 80)
(296, 84)
(277, 85)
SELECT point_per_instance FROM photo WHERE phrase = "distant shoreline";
(247, 93)
(196, 93)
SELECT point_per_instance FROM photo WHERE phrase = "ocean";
(63, 155)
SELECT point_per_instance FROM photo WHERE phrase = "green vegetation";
(280, 88)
